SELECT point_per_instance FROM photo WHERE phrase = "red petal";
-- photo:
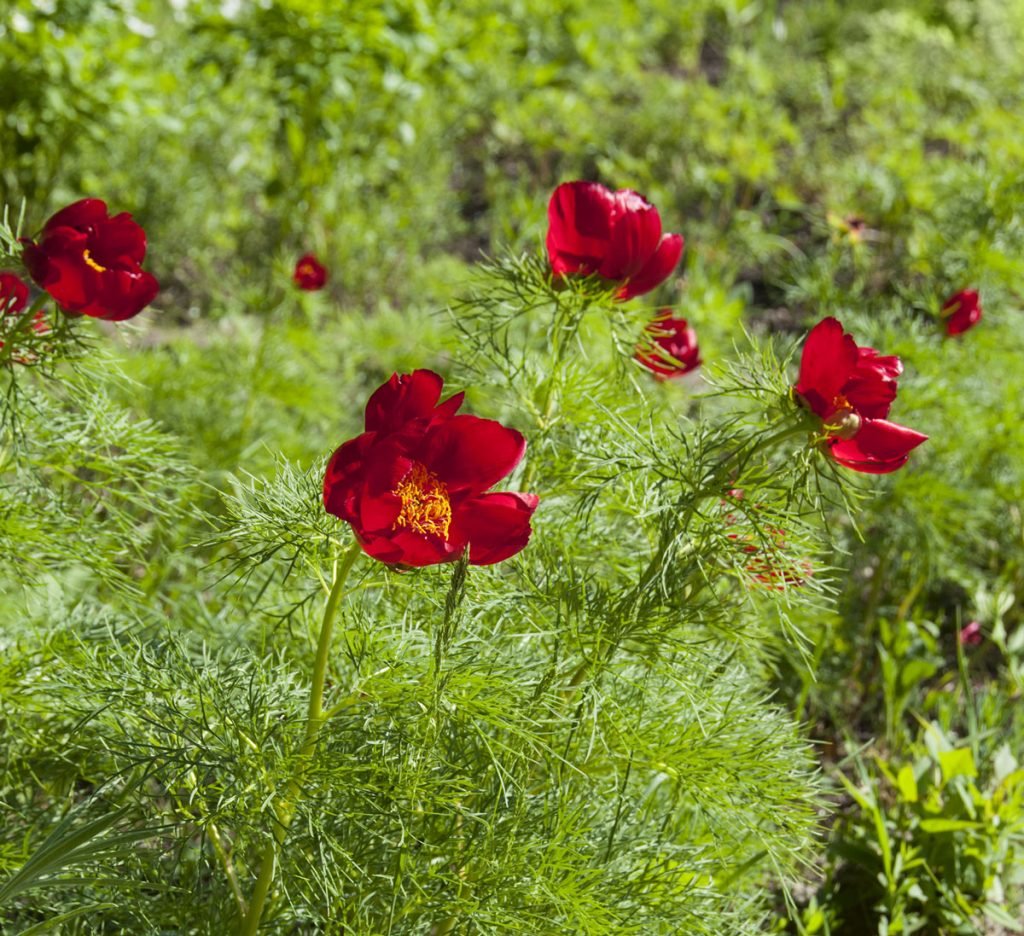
(344, 476)
(409, 549)
(657, 269)
(579, 227)
(878, 448)
(403, 398)
(119, 241)
(828, 361)
(121, 294)
(496, 526)
(86, 213)
(470, 454)
(635, 236)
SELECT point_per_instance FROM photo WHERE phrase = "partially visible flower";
(91, 263)
(616, 235)
(310, 274)
(670, 349)
(970, 634)
(961, 312)
(414, 486)
(13, 293)
(13, 300)
(851, 227)
(852, 389)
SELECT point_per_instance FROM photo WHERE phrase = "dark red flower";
(852, 389)
(13, 300)
(13, 293)
(671, 348)
(414, 485)
(310, 274)
(962, 311)
(616, 235)
(765, 565)
(90, 263)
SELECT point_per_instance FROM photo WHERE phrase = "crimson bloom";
(962, 311)
(852, 390)
(616, 235)
(310, 274)
(671, 348)
(91, 263)
(414, 485)
(13, 293)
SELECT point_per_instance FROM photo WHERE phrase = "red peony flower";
(852, 389)
(90, 263)
(310, 274)
(616, 235)
(962, 311)
(671, 349)
(764, 568)
(13, 300)
(414, 485)
(13, 293)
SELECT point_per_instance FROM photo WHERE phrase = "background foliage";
(154, 648)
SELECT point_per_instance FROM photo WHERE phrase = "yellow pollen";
(89, 260)
(426, 507)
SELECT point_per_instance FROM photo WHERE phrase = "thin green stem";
(314, 722)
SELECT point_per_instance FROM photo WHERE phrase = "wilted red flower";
(616, 235)
(671, 348)
(852, 389)
(773, 571)
(310, 274)
(414, 484)
(970, 634)
(962, 311)
(90, 263)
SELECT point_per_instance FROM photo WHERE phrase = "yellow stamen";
(426, 507)
(89, 260)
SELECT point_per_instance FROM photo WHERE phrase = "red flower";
(671, 349)
(90, 263)
(13, 293)
(13, 300)
(762, 566)
(962, 311)
(614, 234)
(852, 389)
(971, 635)
(414, 484)
(310, 274)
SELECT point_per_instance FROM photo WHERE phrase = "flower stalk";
(314, 723)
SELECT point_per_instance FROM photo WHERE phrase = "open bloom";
(852, 390)
(767, 563)
(414, 486)
(616, 235)
(310, 274)
(91, 263)
(962, 311)
(671, 348)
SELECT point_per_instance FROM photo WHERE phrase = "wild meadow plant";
(409, 699)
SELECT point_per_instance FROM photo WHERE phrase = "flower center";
(87, 257)
(426, 507)
(844, 423)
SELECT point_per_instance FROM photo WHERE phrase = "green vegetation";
(631, 726)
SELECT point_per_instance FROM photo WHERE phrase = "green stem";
(314, 722)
